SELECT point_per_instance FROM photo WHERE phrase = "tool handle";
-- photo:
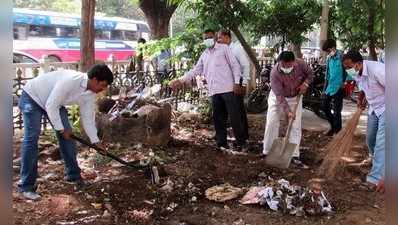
(99, 150)
(289, 126)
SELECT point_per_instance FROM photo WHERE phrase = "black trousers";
(224, 105)
(334, 102)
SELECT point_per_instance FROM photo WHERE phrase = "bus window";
(130, 35)
(67, 32)
(117, 35)
(20, 32)
(42, 31)
(102, 34)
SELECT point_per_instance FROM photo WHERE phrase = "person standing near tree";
(334, 86)
(224, 37)
(47, 95)
(222, 74)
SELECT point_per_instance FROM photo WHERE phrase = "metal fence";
(125, 77)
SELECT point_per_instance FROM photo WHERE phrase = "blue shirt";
(334, 73)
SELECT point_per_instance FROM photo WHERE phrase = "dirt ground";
(191, 164)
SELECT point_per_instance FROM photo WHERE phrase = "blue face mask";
(352, 73)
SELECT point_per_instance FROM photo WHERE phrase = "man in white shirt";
(47, 95)
(370, 77)
(224, 37)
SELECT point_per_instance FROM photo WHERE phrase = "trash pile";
(290, 199)
(129, 102)
(136, 116)
(278, 195)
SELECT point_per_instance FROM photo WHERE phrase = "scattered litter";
(168, 186)
(97, 205)
(83, 212)
(223, 192)
(149, 202)
(289, 199)
(172, 206)
(106, 214)
(88, 219)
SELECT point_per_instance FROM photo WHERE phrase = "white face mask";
(352, 73)
(287, 70)
(332, 53)
(209, 42)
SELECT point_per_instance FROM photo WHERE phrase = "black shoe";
(80, 184)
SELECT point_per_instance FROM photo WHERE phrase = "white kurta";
(273, 121)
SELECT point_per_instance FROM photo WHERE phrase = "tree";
(288, 20)
(121, 8)
(324, 23)
(353, 29)
(68, 6)
(158, 14)
(87, 35)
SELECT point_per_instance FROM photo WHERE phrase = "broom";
(339, 147)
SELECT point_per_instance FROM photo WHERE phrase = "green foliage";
(349, 22)
(287, 19)
(120, 8)
(67, 6)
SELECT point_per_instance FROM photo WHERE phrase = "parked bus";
(57, 35)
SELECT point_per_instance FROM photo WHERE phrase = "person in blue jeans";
(370, 78)
(47, 95)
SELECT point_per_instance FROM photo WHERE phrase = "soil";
(189, 165)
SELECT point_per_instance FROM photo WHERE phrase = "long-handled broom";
(339, 147)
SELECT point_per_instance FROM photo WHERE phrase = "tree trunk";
(371, 35)
(324, 26)
(87, 35)
(158, 14)
(247, 49)
(296, 48)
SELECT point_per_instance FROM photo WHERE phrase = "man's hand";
(176, 84)
(361, 101)
(303, 88)
(66, 134)
(101, 146)
(380, 186)
(291, 116)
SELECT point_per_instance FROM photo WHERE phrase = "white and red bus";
(57, 35)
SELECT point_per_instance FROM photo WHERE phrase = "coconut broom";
(339, 147)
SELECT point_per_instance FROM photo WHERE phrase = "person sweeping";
(370, 78)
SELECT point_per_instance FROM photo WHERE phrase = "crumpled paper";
(289, 199)
(222, 193)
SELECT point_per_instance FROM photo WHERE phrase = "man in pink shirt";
(222, 73)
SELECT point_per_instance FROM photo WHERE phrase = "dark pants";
(224, 105)
(334, 102)
(243, 116)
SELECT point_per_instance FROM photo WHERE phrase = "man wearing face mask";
(370, 78)
(334, 84)
(222, 74)
(289, 78)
